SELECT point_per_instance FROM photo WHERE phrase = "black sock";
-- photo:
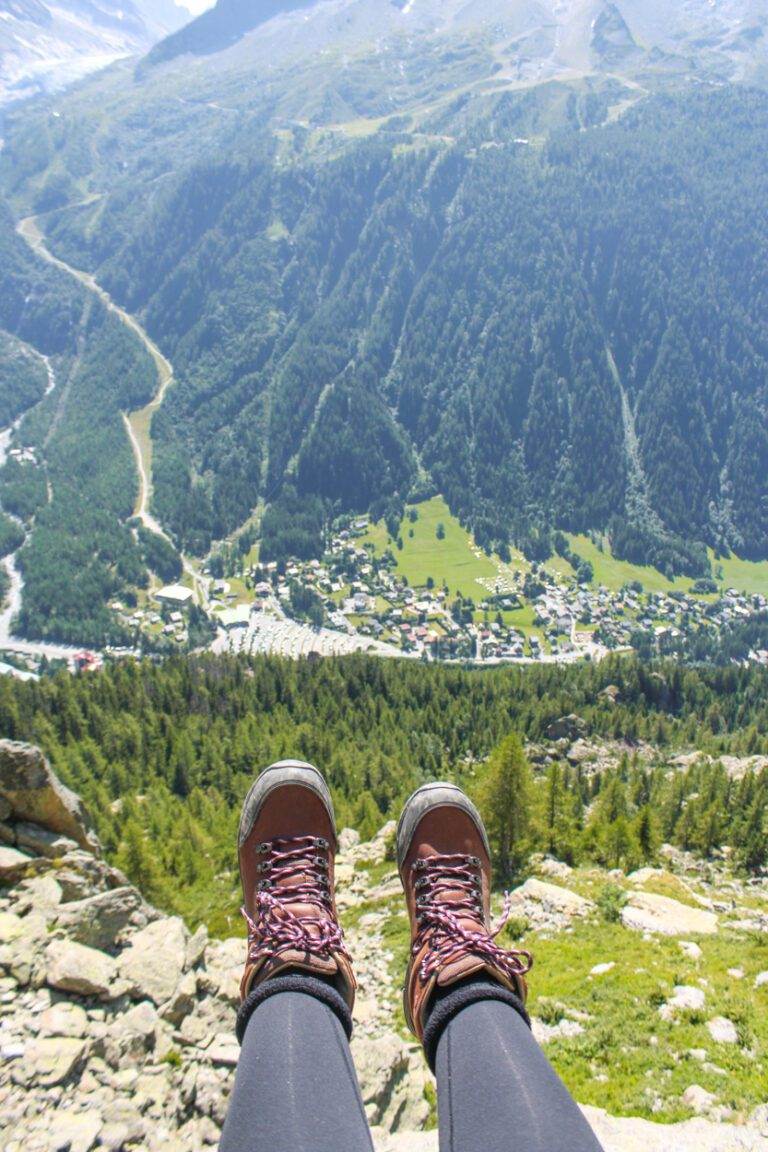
(295, 980)
(448, 1001)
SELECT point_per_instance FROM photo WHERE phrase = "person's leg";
(497, 1092)
(465, 994)
(295, 1088)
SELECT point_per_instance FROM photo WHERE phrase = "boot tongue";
(453, 888)
(311, 914)
(453, 891)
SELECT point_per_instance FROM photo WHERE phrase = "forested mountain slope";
(569, 332)
(75, 494)
(384, 266)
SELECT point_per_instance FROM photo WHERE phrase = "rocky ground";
(116, 1022)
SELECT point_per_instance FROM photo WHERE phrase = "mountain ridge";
(219, 27)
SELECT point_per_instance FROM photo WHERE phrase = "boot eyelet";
(321, 862)
(263, 847)
(263, 867)
(419, 865)
(420, 883)
(321, 842)
(475, 860)
(264, 884)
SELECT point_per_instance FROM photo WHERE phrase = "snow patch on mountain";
(45, 46)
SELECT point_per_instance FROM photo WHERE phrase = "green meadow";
(453, 560)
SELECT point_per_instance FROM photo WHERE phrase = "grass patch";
(253, 556)
(141, 422)
(523, 620)
(277, 231)
(671, 886)
(614, 573)
(376, 871)
(628, 1060)
(749, 576)
(453, 560)
(744, 575)
(238, 589)
(215, 903)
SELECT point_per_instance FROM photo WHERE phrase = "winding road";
(13, 602)
(137, 423)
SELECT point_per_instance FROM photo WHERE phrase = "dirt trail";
(137, 423)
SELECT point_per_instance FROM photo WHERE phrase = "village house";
(175, 594)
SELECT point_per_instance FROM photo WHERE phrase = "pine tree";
(506, 799)
(619, 843)
(135, 858)
(754, 851)
(559, 822)
(367, 816)
(645, 833)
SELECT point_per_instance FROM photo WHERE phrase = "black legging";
(296, 1089)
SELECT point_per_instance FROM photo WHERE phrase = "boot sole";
(278, 775)
(425, 799)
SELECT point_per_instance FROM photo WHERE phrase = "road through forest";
(137, 423)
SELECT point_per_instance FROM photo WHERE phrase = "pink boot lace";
(451, 887)
(275, 928)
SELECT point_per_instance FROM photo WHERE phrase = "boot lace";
(448, 888)
(275, 927)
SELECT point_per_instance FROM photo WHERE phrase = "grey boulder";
(99, 920)
(33, 793)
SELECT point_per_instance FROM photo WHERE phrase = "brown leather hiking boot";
(445, 868)
(287, 842)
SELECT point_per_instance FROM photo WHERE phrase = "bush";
(549, 1011)
(516, 928)
(610, 901)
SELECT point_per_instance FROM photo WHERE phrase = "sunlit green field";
(746, 575)
(452, 560)
(455, 560)
(614, 573)
(628, 1057)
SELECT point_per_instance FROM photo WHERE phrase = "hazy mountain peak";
(221, 26)
(611, 37)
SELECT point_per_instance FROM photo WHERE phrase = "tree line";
(164, 753)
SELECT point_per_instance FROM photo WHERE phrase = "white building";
(175, 594)
(231, 618)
